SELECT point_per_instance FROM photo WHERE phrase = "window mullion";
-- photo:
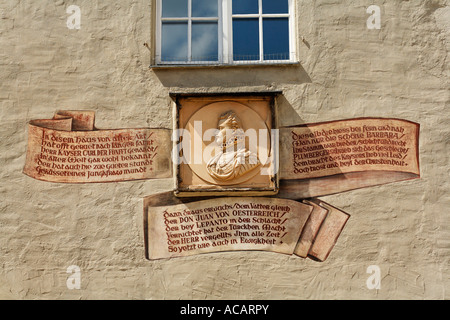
(250, 15)
(158, 39)
(189, 30)
(227, 34)
(220, 32)
(292, 32)
(173, 19)
(205, 19)
(261, 44)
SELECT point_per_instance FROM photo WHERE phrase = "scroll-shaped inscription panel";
(321, 231)
(57, 154)
(223, 224)
(326, 158)
(311, 229)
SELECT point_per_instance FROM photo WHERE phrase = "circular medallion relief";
(227, 144)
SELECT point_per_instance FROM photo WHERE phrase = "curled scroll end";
(61, 124)
(81, 120)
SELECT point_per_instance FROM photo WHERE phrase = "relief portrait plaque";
(225, 145)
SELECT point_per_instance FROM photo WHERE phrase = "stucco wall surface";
(345, 71)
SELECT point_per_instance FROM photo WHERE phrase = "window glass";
(204, 41)
(174, 41)
(245, 6)
(276, 38)
(275, 6)
(246, 39)
(204, 8)
(174, 8)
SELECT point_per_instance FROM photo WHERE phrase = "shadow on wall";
(230, 76)
(237, 79)
(287, 115)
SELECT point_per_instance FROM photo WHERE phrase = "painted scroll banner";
(321, 231)
(178, 228)
(69, 149)
(332, 157)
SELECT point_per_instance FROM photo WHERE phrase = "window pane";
(245, 6)
(174, 8)
(276, 38)
(245, 39)
(204, 41)
(275, 6)
(174, 41)
(204, 8)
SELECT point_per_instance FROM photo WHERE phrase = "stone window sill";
(222, 66)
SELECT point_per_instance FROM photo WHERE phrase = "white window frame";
(189, 19)
(225, 34)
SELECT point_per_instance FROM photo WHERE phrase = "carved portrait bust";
(234, 160)
(225, 145)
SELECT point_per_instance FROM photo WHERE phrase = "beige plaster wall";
(346, 71)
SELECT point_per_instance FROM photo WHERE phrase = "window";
(224, 31)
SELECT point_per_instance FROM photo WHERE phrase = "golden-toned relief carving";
(234, 160)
